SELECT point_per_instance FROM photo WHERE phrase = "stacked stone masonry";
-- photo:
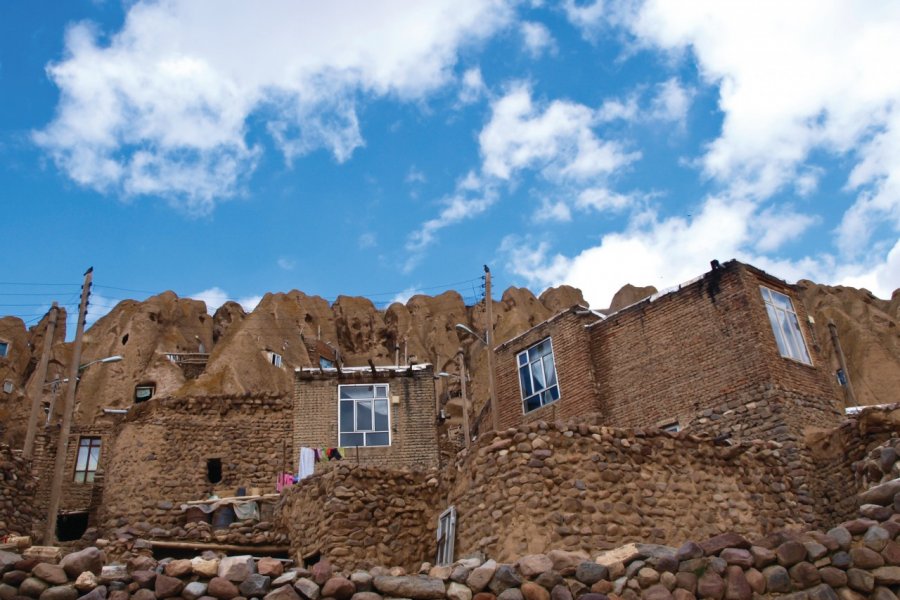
(159, 459)
(17, 488)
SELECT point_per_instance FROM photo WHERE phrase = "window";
(325, 363)
(214, 470)
(8, 386)
(446, 536)
(785, 325)
(671, 427)
(275, 359)
(4, 348)
(363, 415)
(142, 393)
(537, 376)
(88, 459)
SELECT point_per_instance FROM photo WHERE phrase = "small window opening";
(312, 559)
(672, 427)
(275, 359)
(325, 363)
(71, 526)
(841, 377)
(4, 348)
(144, 392)
(87, 460)
(124, 339)
(8, 386)
(214, 470)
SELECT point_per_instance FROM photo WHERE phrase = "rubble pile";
(882, 464)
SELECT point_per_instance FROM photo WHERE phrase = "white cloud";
(215, 297)
(286, 264)
(472, 88)
(823, 80)
(404, 296)
(553, 211)
(162, 107)
(615, 109)
(671, 102)
(603, 200)
(367, 240)
(557, 139)
(774, 227)
(536, 38)
(414, 175)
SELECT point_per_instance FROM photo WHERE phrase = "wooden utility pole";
(37, 389)
(467, 433)
(836, 342)
(489, 338)
(62, 444)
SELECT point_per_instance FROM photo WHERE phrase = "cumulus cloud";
(823, 80)
(553, 211)
(472, 87)
(215, 297)
(557, 139)
(286, 264)
(536, 38)
(162, 107)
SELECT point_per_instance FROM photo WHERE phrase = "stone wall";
(583, 487)
(412, 415)
(159, 458)
(358, 516)
(17, 487)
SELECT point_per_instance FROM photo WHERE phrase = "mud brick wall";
(412, 419)
(159, 458)
(359, 517)
(691, 353)
(573, 369)
(17, 488)
(587, 487)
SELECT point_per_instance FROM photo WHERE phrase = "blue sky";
(224, 150)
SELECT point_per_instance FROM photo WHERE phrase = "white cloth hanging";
(307, 462)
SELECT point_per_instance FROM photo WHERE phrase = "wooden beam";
(221, 547)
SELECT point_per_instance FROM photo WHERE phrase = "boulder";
(366, 596)
(823, 591)
(322, 571)
(32, 586)
(8, 559)
(338, 587)
(416, 588)
(860, 580)
(565, 562)
(179, 568)
(711, 585)
(52, 574)
(511, 593)
(236, 568)
(589, 573)
(87, 581)
(736, 585)
(505, 577)
(205, 568)
(257, 586)
(271, 567)
(285, 592)
(194, 590)
(90, 559)
(480, 577)
(790, 553)
(656, 592)
(882, 494)
(307, 588)
(98, 593)
(887, 575)
(286, 578)
(778, 580)
(716, 544)
(532, 565)
(166, 587)
(221, 588)
(60, 592)
(534, 591)
(457, 591)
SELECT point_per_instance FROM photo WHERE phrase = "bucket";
(222, 517)
(195, 515)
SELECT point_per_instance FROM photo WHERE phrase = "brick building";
(705, 356)
(382, 416)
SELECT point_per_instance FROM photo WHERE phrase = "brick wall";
(159, 457)
(573, 369)
(412, 416)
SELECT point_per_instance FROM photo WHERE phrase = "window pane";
(79, 477)
(523, 358)
(356, 391)
(94, 458)
(346, 416)
(803, 354)
(782, 301)
(351, 439)
(363, 415)
(533, 353)
(532, 403)
(554, 392)
(81, 462)
(550, 369)
(377, 439)
(381, 391)
(525, 379)
(89, 477)
(537, 375)
(381, 415)
(776, 328)
(789, 340)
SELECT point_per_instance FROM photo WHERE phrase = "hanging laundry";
(307, 463)
(284, 480)
(333, 454)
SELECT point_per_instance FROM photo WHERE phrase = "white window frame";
(144, 386)
(671, 426)
(365, 432)
(275, 359)
(785, 325)
(6, 348)
(527, 364)
(446, 537)
(85, 459)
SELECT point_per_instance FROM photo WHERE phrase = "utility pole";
(62, 445)
(489, 338)
(467, 433)
(836, 342)
(37, 389)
